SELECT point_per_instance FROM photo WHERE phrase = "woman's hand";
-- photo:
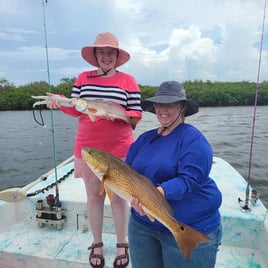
(161, 190)
(53, 104)
(137, 205)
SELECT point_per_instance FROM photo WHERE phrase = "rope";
(47, 188)
(254, 114)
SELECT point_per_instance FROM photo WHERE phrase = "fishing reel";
(253, 200)
(50, 212)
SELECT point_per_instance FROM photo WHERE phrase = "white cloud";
(182, 40)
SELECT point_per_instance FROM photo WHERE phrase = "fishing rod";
(19, 194)
(246, 205)
(51, 111)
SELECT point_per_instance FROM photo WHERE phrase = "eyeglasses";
(165, 105)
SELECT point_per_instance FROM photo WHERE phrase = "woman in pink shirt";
(114, 136)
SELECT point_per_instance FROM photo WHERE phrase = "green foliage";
(206, 93)
(147, 91)
(219, 93)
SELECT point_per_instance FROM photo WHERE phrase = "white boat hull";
(24, 244)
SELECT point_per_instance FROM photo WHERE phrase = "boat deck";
(38, 248)
(25, 245)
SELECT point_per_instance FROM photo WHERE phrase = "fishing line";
(40, 122)
(254, 115)
(51, 111)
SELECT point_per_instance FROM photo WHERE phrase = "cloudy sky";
(167, 39)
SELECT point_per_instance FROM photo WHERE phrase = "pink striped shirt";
(115, 136)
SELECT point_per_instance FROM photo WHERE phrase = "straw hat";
(104, 40)
(168, 92)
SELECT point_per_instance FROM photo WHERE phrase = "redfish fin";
(109, 193)
(106, 189)
(92, 118)
(102, 186)
(151, 218)
(90, 114)
(188, 239)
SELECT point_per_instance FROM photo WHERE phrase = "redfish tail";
(188, 239)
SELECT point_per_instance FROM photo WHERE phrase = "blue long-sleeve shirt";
(180, 162)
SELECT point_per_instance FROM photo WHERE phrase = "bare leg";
(120, 210)
(95, 207)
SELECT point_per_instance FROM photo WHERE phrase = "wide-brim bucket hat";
(169, 92)
(105, 39)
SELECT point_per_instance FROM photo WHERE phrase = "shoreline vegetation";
(206, 93)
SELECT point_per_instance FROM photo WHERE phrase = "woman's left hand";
(161, 190)
(137, 205)
(53, 104)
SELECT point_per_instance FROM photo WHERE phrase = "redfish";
(93, 108)
(118, 177)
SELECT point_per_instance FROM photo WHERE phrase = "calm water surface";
(27, 148)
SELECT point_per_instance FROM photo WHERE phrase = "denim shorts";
(155, 249)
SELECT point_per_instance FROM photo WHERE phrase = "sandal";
(96, 256)
(123, 256)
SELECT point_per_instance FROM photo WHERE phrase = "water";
(26, 147)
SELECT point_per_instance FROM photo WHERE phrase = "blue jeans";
(155, 249)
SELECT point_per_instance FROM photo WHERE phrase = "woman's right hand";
(137, 206)
(53, 104)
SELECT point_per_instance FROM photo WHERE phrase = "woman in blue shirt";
(177, 158)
